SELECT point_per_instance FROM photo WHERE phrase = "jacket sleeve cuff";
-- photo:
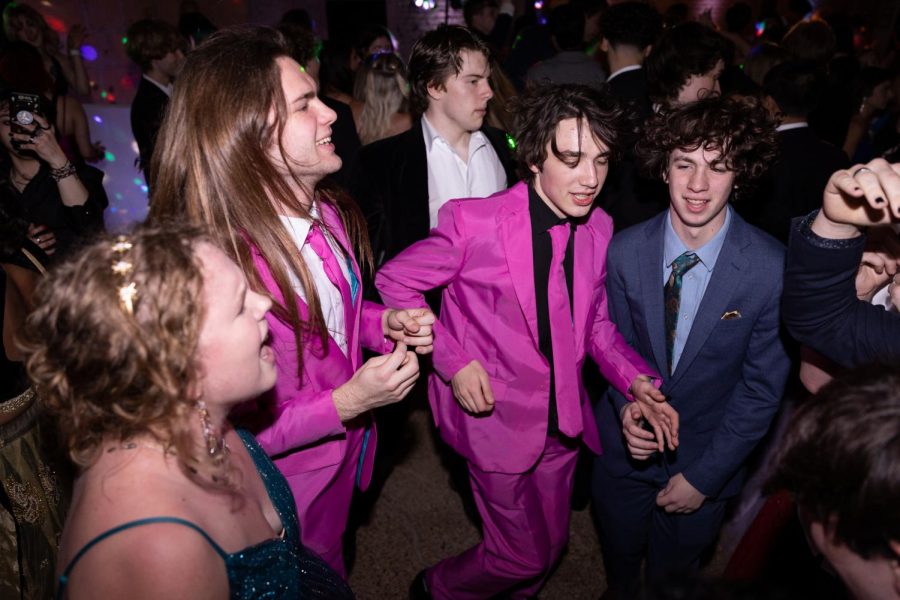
(298, 422)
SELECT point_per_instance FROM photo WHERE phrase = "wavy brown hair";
(108, 374)
(539, 112)
(740, 128)
(437, 56)
(211, 167)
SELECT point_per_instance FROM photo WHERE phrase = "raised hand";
(860, 196)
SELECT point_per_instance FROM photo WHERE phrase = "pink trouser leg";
(525, 521)
(323, 504)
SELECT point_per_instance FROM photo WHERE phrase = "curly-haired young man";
(696, 292)
(522, 305)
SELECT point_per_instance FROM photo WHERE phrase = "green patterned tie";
(672, 296)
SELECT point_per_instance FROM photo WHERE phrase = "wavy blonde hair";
(386, 93)
(105, 373)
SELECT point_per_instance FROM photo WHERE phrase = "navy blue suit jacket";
(729, 380)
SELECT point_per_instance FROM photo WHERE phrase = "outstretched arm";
(821, 308)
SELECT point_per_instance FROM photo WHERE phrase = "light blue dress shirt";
(694, 282)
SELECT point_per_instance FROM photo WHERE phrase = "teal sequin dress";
(274, 569)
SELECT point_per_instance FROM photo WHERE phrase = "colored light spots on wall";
(98, 119)
(138, 181)
(760, 28)
(55, 24)
(103, 94)
(109, 156)
(124, 40)
(127, 82)
(89, 53)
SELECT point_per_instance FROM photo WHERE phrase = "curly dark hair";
(682, 51)
(539, 112)
(631, 24)
(105, 373)
(840, 459)
(739, 128)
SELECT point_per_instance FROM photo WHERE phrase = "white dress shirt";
(449, 176)
(789, 126)
(166, 89)
(623, 70)
(330, 298)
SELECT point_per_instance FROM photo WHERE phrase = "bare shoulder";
(155, 560)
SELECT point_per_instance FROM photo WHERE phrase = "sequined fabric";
(280, 568)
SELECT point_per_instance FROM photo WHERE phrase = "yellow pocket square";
(731, 314)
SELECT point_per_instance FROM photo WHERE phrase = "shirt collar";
(166, 89)
(300, 226)
(624, 70)
(708, 252)
(789, 126)
(476, 139)
(542, 217)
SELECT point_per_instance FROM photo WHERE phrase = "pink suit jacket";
(297, 423)
(481, 251)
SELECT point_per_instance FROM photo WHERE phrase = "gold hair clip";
(122, 268)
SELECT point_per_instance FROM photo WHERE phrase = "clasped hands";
(650, 406)
(679, 496)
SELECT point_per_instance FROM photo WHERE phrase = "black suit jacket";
(147, 111)
(391, 187)
(627, 195)
(345, 139)
(630, 88)
(795, 183)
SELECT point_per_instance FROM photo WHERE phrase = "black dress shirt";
(542, 220)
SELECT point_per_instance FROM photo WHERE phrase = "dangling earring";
(215, 445)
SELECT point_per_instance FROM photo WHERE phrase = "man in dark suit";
(158, 49)
(794, 185)
(448, 153)
(628, 32)
(696, 292)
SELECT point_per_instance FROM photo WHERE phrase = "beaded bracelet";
(67, 170)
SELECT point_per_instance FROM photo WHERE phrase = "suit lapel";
(650, 259)
(414, 180)
(515, 234)
(726, 277)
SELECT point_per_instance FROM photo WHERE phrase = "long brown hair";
(211, 166)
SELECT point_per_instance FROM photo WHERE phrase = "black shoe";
(418, 589)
